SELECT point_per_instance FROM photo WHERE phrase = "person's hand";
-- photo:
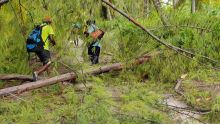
(53, 43)
(86, 33)
(51, 38)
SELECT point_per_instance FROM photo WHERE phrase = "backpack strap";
(94, 27)
(41, 29)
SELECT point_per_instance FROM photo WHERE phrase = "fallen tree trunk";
(37, 84)
(118, 66)
(104, 69)
(16, 77)
(68, 76)
(2, 2)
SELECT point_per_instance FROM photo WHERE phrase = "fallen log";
(37, 84)
(16, 77)
(68, 76)
(104, 69)
(118, 66)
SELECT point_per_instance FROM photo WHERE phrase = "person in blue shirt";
(75, 31)
(94, 46)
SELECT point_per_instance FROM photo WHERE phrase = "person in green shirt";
(47, 35)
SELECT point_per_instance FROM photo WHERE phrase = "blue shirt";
(97, 43)
(93, 28)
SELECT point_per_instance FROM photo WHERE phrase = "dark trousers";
(43, 55)
(93, 52)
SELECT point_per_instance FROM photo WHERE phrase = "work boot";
(35, 76)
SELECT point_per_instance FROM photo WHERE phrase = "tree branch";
(156, 38)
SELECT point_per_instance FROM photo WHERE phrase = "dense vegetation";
(141, 89)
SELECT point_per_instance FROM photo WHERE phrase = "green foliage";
(96, 108)
(215, 33)
(142, 87)
(213, 116)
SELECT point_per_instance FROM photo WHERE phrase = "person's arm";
(51, 36)
(52, 40)
(90, 30)
(101, 35)
(86, 33)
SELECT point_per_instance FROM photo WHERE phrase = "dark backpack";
(34, 41)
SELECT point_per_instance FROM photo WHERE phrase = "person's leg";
(77, 39)
(43, 68)
(76, 42)
(44, 56)
(90, 52)
(90, 49)
(96, 55)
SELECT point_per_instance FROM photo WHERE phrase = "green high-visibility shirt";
(46, 31)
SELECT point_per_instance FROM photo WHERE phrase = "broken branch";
(157, 39)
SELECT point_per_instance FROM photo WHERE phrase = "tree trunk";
(147, 7)
(177, 3)
(106, 12)
(2, 2)
(163, 17)
(193, 6)
(68, 76)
